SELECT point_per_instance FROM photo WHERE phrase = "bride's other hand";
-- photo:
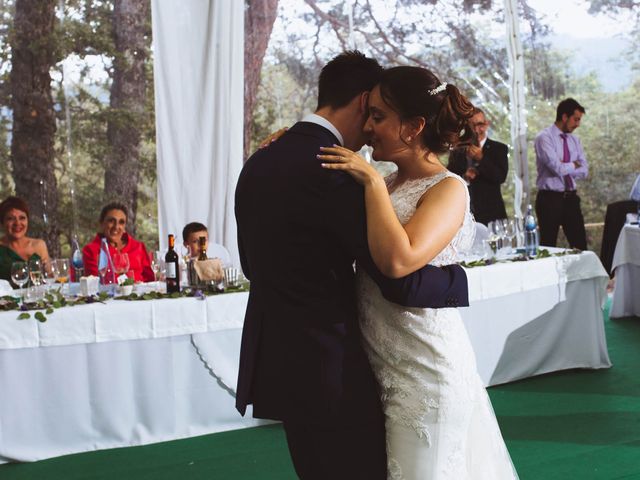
(272, 137)
(340, 158)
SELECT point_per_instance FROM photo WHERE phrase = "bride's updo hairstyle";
(417, 92)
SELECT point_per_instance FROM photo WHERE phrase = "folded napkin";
(209, 270)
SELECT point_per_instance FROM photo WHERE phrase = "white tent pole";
(517, 107)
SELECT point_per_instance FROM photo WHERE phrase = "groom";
(300, 228)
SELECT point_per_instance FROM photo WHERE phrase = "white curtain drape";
(198, 48)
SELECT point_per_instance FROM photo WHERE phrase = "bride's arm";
(397, 250)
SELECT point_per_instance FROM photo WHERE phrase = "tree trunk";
(131, 19)
(34, 125)
(258, 23)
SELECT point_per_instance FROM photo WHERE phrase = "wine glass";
(20, 274)
(157, 264)
(121, 263)
(510, 232)
(78, 264)
(62, 268)
(35, 271)
(49, 272)
(62, 272)
(495, 236)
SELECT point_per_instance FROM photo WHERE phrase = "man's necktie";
(566, 158)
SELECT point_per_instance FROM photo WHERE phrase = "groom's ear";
(364, 102)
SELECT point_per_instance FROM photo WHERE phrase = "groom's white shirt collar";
(323, 122)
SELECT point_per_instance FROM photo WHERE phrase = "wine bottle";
(173, 267)
(202, 242)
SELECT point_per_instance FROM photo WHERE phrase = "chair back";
(482, 233)
(613, 222)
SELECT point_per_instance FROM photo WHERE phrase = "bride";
(439, 420)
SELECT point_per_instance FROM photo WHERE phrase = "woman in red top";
(113, 222)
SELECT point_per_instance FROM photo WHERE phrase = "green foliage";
(542, 253)
(188, 292)
(83, 35)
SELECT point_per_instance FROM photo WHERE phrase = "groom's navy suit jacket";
(300, 228)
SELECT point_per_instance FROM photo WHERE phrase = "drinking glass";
(62, 268)
(121, 263)
(157, 265)
(49, 272)
(231, 277)
(519, 227)
(78, 264)
(102, 271)
(35, 271)
(510, 232)
(62, 272)
(20, 274)
(495, 236)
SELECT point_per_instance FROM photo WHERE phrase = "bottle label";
(171, 270)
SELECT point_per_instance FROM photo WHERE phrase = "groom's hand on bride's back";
(272, 137)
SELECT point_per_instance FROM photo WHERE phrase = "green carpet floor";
(577, 424)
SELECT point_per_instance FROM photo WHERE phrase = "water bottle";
(531, 238)
(105, 266)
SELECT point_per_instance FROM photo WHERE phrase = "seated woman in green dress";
(15, 245)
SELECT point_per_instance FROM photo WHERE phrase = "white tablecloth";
(130, 373)
(626, 263)
(126, 373)
(529, 318)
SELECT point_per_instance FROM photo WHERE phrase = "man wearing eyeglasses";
(484, 165)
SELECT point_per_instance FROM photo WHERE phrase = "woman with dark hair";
(439, 420)
(15, 245)
(112, 226)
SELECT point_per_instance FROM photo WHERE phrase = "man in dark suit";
(484, 166)
(300, 228)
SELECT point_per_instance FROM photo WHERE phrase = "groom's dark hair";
(346, 76)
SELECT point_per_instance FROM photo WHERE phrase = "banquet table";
(130, 373)
(626, 264)
(535, 317)
(118, 374)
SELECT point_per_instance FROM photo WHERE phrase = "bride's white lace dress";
(439, 419)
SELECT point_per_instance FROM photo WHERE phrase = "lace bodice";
(405, 199)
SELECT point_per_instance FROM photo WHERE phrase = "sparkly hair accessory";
(438, 89)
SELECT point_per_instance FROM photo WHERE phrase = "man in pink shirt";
(560, 162)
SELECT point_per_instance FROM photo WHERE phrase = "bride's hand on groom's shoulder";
(340, 158)
(272, 137)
